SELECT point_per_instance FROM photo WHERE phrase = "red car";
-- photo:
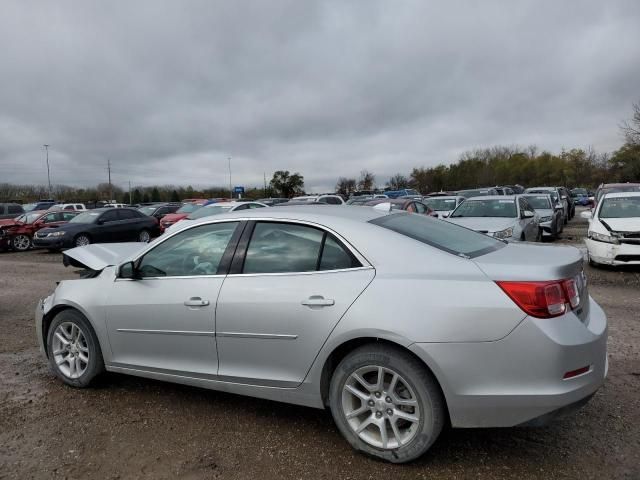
(408, 204)
(18, 232)
(182, 213)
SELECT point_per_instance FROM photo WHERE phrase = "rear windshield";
(208, 211)
(486, 208)
(445, 236)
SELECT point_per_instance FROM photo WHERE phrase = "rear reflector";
(543, 299)
(575, 373)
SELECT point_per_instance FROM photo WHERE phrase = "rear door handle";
(196, 302)
(318, 301)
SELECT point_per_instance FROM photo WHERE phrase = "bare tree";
(367, 180)
(631, 129)
(398, 182)
(345, 186)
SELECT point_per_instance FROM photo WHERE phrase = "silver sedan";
(399, 323)
(509, 217)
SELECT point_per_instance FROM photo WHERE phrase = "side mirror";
(558, 206)
(128, 270)
(564, 197)
(527, 214)
(586, 215)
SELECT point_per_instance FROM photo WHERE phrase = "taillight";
(543, 299)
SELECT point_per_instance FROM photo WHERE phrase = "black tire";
(78, 241)
(95, 365)
(17, 243)
(142, 234)
(417, 376)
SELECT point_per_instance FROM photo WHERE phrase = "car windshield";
(486, 208)
(85, 217)
(539, 202)
(621, 207)
(442, 235)
(441, 204)
(148, 210)
(619, 189)
(189, 207)
(208, 211)
(27, 207)
(553, 193)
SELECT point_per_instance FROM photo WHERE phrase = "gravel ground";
(128, 427)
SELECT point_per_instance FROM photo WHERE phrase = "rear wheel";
(386, 403)
(144, 236)
(73, 349)
(82, 240)
(21, 243)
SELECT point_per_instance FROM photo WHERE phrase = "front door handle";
(196, 302)
(318, 301)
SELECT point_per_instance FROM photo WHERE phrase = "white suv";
(78, 207)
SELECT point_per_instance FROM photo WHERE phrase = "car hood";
(101, 255)
(623, 224)
(484, 224)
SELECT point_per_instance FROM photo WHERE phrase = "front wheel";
(21, 243)
(144, 236)
(386, 403)
(82, 240)
(73, 349)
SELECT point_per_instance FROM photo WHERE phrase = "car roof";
(493, 197)
(445, 197)
(611, 185)
(621, 194)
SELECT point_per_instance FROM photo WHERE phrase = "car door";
(165, 319)
(129, 224)
(529, 224)
(107, 228)
(289, 285)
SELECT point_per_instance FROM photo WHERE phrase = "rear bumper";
(611, 254)
(519, 378)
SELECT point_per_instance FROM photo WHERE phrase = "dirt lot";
(128, 427)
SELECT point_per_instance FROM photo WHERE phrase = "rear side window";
(126, 214)
(440, 234)
(14, 209)
(289, 248)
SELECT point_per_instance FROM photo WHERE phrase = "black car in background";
(102, 225)
(159, 210)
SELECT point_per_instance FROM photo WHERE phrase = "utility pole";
(230, 188)
(46, 147)
(264, 174)
(130, 202)
(110, 187)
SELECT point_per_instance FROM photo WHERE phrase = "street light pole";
(46, 147)
(230, 189)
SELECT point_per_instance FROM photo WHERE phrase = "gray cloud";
(169, 90)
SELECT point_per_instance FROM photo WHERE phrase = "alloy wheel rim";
(82, 241)
(380, 407)
(144, 236)
(70, 350)
(22, 242)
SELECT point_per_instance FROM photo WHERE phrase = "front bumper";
(52, 242)
(521, 377)
(612, 254)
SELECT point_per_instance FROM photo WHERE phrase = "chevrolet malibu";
(293, 305)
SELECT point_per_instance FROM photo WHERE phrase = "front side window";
(51, 217)
(86, 217)
(14, 209)
(194, 252)
(126, 214)
(109, 216)
(289, 248)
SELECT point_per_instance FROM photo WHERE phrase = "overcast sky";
(169, 90)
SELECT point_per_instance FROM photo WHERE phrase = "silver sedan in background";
(443, 205)
(398, 323)
(508, 217)
(551, 216)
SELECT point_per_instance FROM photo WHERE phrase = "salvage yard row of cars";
(291, 301)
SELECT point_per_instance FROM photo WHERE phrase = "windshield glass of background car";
(486, 208)
(539, 202)
(439, 234)
(208, 211)
(85, 217)
(196, 251)
(29, 217)
(441, 203)
(188, 208)
(623, 207)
